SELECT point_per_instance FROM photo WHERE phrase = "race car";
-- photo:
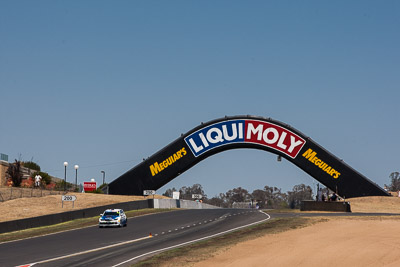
(113, 217)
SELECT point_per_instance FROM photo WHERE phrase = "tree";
(15, 173)
(218, 201)
(260, 197)
(299, 193)
(169, 192)
(187, 192)
(395, 181)
(237, 195)
(275, 198)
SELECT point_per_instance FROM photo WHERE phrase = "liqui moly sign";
(245, 131)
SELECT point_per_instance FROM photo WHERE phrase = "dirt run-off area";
(337, 242)
(356, 241)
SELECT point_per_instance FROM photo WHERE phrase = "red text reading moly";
(273, 136)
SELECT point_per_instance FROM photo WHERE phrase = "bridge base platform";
(325, 206)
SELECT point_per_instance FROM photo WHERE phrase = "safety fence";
(8, 193)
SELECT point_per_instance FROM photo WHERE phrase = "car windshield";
(110, 213)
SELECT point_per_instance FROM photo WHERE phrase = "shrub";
(60, 185)
(31, 165)
(15, 173)
(97, 191)
(27, 182)
(46, 179)
(51, 186)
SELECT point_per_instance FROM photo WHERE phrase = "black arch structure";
(244, 132)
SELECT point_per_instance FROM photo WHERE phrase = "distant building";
(3, 168)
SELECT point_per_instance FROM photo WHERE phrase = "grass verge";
(70, 225)
(188, 255)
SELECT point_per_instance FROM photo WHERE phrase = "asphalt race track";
(93, 246)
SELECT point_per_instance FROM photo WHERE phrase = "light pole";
(65, 176)
(76, 176)
(104, 176)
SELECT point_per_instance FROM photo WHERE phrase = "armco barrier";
(325, 206)
(70, 215)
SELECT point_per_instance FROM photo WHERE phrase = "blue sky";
(104, 84)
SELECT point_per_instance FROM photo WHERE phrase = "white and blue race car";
(113, 217)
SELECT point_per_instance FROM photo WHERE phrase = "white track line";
(89, 251)
(63, 231)
(193, 241)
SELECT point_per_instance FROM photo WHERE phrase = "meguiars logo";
(245, 131)
(312, 156)
(158, 167)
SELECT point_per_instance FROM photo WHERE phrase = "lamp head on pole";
(65, 164)
(104, 176)
(76, 167)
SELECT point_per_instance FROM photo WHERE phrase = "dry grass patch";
(375, 204)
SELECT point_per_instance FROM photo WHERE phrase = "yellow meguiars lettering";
(309, 154)
(156, 167)
(312, 157)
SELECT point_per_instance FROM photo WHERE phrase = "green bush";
(46, 179)
(31, 165)
(97, 191)
(60, 185)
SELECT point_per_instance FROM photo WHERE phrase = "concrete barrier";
(183, 204)
(325, 206)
